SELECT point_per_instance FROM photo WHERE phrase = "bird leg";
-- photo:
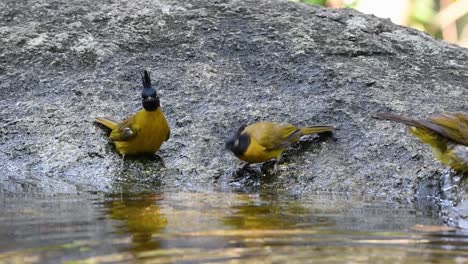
(159, 159)
(277, 161)
(123, 162)
(246, 166)
(275, 166)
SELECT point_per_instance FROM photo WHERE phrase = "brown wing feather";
(450, 126)
(455, 126)
(273, 135)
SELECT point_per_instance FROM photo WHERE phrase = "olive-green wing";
(463, 127)
(126, 131)
(455, 126)
(274, 135)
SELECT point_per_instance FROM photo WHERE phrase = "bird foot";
(270, 167)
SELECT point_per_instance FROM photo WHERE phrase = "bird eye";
(236, 143)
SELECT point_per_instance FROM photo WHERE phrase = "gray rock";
(217, 65)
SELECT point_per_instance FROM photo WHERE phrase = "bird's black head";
(239, 142)
(149, 95)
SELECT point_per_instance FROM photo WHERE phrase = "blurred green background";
(444, 19)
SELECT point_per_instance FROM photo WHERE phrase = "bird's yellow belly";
(449, 154)
(256, 153)
(456, 157)
(153, 131)
(142, 144)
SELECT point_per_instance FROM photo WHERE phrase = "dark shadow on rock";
(252, 177)
(153, 160)
(306, 144)
(105, 129)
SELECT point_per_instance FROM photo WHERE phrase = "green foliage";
(315, 2)
(348, 3)
(421, 14)
(351, 3)
(423, 11)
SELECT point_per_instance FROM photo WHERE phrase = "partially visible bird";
(264, 141)
(446, 133)
(144, 132)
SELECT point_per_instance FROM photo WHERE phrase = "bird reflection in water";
(265, 213)
(141, 217)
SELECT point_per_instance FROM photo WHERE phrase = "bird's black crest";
(149, 94)
(146, 79)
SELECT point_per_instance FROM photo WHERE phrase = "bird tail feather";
(396, 118)
(107, 122)
(316, 129)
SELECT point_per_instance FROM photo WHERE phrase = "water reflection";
(264, 213)
(141, 217)
(184, 227)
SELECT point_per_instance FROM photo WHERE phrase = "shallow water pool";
(219, 227)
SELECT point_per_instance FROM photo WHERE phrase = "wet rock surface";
(216, 66)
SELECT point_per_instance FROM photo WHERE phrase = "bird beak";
(228, 142)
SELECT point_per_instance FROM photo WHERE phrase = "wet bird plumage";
(144, 132)
(446, 133)
(264, 141)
